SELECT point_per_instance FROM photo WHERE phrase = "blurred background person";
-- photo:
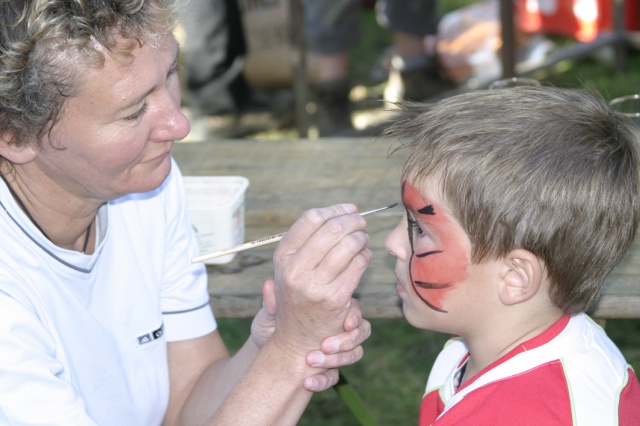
(213, 58)
(333, 27)
(214, 85)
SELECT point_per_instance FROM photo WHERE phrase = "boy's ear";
(17, 153)
(522, 277)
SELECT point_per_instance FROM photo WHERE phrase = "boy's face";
(436, 282)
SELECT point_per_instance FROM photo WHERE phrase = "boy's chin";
(420, 318)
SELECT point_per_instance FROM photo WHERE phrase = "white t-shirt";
(83, 338)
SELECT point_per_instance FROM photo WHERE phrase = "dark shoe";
(265, 114)
(333, 108)
(416, 84)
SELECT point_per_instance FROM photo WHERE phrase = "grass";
(391, 378)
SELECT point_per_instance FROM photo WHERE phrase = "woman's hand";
(338, 351)
(334, 352)
(318, 265)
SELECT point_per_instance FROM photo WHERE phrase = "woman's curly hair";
(44, 44)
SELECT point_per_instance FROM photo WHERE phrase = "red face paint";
(438, 256)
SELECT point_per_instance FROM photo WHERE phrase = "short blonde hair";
(548, 170)
(41, 42)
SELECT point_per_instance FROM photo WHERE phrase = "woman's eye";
(175, 67)
(136, 115)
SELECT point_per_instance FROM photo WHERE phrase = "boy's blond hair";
(548, 170)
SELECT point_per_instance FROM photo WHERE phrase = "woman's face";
(115, 137)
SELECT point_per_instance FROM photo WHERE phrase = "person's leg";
(418, 18)
(332, 27)
(213, 57)
(414, 72)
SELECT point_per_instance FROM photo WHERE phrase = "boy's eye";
(415, 228)
(420, 237)
(136, 115)
(415, 231)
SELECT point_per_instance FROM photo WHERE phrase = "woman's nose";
(174, 124)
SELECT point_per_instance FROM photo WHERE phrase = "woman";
(105, 320)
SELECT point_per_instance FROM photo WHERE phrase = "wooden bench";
(289, 177)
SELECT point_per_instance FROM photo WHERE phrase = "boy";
(519, 203)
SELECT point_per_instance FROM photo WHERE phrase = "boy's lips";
(400, 288)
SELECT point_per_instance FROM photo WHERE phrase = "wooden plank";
(289, 177)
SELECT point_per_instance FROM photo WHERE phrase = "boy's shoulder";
(572, 369)
(452, 354)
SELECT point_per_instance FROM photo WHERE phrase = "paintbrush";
(265, 241)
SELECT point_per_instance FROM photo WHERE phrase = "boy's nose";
(397, 241)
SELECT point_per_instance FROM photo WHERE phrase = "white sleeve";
(446, 361)
(185, 295)
(32, 391)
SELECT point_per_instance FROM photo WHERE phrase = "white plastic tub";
(216, 209)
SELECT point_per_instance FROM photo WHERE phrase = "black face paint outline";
(426, 210)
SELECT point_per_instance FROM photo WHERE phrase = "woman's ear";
(16, 153)
(522, 277)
